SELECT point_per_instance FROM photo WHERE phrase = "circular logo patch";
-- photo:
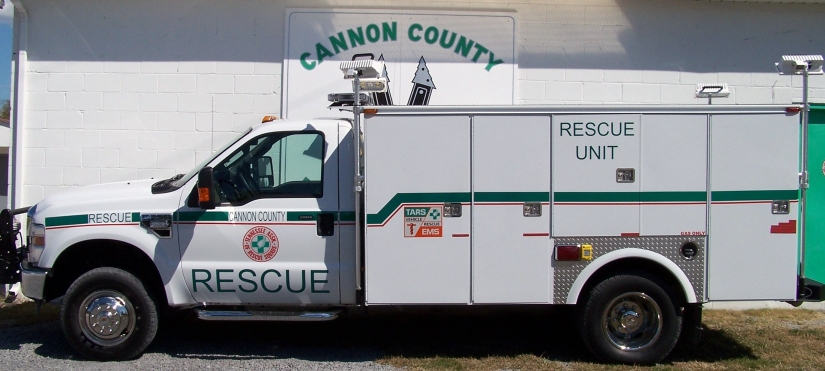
(260, 244)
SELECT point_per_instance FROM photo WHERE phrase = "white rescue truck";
(635, 214)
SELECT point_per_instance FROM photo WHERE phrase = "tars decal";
(260, 244)
(423, 221)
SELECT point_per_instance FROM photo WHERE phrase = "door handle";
(325, 224)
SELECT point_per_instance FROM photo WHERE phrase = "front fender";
(163, 252)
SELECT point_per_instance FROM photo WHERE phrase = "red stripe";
(536, 234)
(461, 235)
(630, 234)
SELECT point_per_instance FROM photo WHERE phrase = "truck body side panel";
(673, 176)
(752, 253)
(413, 165)
(587, 151)
(511, 251)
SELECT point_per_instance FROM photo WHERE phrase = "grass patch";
(23, 314)
(766, 339)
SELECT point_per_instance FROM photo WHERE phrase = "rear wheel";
(630, 319)
(107, 314)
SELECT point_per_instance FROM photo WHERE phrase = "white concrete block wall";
(151, 90)
(135, 120)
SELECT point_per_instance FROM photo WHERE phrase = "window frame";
(282, 135)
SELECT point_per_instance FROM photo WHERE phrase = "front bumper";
(33, 282)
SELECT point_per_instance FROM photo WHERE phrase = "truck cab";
(278, 230)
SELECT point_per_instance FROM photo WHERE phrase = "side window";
(273, 165)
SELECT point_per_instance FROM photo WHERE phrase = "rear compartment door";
(752, 251)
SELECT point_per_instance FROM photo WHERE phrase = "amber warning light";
(203, 194)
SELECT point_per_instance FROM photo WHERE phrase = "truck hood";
(134, 196)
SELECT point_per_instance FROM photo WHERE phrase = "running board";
(256, 315)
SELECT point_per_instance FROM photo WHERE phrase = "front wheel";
(108, 315)
(630, 319)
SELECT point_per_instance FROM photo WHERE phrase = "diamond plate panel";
(566, 272)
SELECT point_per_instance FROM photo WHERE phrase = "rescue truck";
(635, 215)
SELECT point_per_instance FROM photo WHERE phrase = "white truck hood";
(134, 196)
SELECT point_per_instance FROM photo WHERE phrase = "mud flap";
(9, 254)
(692, 324)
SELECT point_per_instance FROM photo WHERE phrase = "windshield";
(185, 178)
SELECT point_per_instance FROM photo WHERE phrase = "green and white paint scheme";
(462, 205)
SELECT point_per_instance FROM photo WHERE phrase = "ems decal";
(260, 244)
(423, 221)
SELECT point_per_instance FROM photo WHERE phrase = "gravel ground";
(188, 344)
(352, 342)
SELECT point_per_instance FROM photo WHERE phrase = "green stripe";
(767, 195)
(135, 217)
(347, 216)
(511, 196)
(202, 216)
(630, 196)
(59, 221)
(405, 198)
(302, 216)
(717, 196)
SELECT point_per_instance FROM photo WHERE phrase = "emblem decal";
(260, 244)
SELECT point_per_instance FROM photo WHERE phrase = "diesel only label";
(423, 221)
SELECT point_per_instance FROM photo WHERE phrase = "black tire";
(108, 315)
(630, 319)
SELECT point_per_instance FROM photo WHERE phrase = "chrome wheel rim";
(632, 321)
(106, 317)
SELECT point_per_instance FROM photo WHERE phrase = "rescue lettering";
(597, 129)
(104, 218)
(270, 280)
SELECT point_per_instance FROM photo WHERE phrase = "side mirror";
(206, 189)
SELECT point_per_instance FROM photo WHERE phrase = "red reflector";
(793, 109)
(568, 252)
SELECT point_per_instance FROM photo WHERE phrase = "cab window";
(272, 166)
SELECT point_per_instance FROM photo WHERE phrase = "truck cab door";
(274, 235)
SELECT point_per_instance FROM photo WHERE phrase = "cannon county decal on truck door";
(260, 244)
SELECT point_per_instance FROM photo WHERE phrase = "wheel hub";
(632, 321)
(107, 317)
